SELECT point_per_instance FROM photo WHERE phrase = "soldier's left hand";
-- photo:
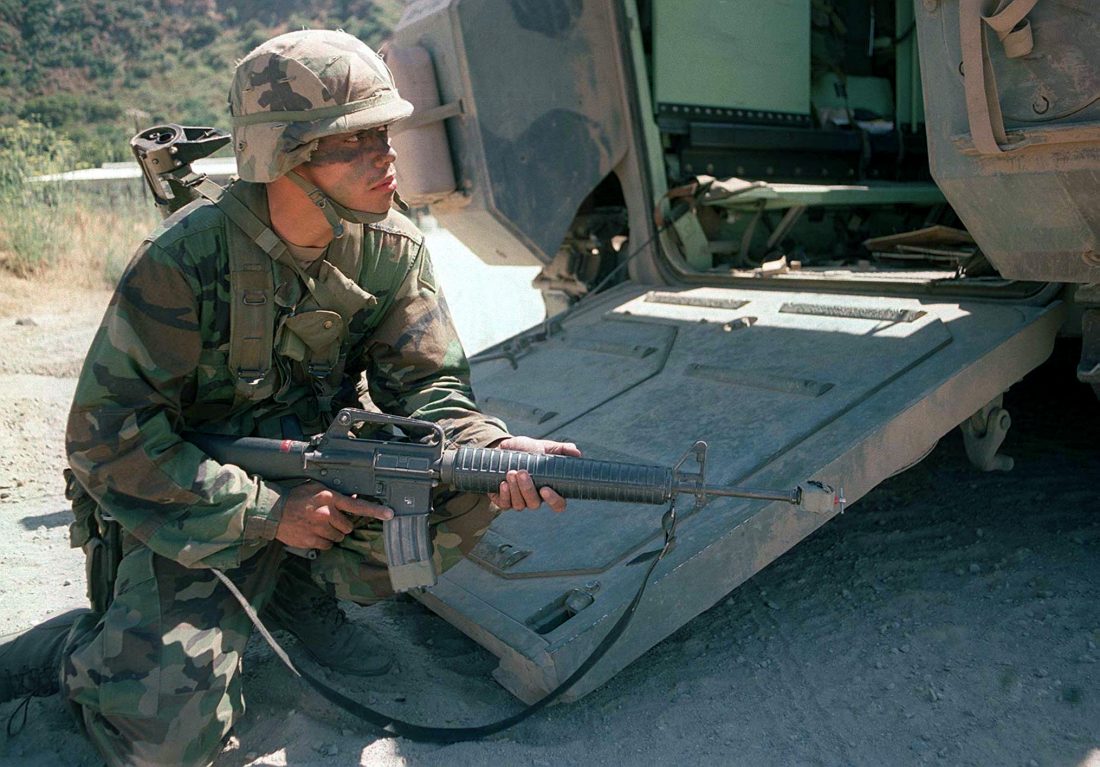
(518, 491)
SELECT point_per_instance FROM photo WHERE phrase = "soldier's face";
(355, 169)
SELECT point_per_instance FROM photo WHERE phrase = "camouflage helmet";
(302, 86)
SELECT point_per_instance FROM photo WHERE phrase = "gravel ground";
(950, 617)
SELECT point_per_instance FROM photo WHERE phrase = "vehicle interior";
(794, 135)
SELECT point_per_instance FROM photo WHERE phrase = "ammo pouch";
(100, 536)
(314, 339)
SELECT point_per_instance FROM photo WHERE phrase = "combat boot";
(314, 617)
(30, 660)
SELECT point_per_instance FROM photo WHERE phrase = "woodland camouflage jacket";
(157, 368)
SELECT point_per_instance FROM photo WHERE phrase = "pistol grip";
(409, 552)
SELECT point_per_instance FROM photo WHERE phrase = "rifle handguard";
(481, 470)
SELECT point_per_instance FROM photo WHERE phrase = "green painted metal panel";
(910, 97)
(733, 53)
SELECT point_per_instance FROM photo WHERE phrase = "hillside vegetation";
(93, 71)
(79, 77)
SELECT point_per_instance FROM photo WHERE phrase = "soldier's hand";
(518, 490)
(315, 517)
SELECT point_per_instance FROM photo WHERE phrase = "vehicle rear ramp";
(784, 386)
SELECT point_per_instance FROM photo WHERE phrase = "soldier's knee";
(459, 524)
(184, 740)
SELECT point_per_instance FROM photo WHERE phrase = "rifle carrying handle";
(481, 470)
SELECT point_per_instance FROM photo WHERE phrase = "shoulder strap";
(252, 285)
(252, 249)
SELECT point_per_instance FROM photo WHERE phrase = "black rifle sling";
(389, 727)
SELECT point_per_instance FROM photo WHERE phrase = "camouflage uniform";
(156, 678)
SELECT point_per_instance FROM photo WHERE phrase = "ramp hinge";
(983, 434)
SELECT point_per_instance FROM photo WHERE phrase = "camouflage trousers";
(156, 679)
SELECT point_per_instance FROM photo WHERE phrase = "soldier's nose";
(387, 157)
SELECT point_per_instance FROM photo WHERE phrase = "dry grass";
(71, 237)
(46, 292)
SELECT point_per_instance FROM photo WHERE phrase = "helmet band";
(311, 115)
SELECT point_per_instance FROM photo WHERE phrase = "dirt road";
(950, 617)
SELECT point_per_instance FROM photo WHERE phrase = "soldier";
(153, 673)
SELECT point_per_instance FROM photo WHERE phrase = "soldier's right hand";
(315, 517)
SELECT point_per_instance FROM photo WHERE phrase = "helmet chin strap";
(335, 213)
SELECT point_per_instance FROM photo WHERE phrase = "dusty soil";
(950, 617)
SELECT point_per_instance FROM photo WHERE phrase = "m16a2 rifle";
(403, 474)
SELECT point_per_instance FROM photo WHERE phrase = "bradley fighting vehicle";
(819, 234)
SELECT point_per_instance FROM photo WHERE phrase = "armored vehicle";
(818, 234)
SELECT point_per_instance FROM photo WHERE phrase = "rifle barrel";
(789, 496)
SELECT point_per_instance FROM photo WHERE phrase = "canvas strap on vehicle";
(983, 104)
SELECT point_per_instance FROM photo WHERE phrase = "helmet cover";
(302, 86)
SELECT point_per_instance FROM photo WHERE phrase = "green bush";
(62, 109)
(84, 232)
(201, 33)
(30, 149)
(11, 11)
(31, 227)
